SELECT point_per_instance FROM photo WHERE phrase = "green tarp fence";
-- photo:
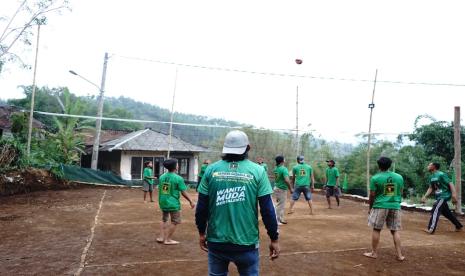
(86, 175)
(78, 174)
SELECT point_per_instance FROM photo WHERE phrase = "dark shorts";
(303, 189)
(147, 187)
(175, 216)
(332, 191)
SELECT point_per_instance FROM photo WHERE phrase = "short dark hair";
(436, 165)
(146, 163)
(170, 164)
(384, 163)
(229, 157)
(279, 159)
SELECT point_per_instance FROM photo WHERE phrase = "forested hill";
(145, 111)
(48, 100)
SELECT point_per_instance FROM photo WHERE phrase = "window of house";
(158, 166)
(136, 168)
(183, 164)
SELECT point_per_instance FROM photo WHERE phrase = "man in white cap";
(229, 193)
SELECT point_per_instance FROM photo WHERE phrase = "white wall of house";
(194, 167)
(126, 157)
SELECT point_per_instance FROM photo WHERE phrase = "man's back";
(302, 173)
(388, 187)
(280, 174)
(171, 184)
(233, 189)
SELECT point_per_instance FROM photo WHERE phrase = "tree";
(45, 100)
(18, 26)
(437, 139)
(68, 140)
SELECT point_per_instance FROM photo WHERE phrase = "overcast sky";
(407, 41)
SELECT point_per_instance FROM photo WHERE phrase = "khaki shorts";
(175, 216)
(392, 218)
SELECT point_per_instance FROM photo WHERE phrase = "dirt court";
(96, 231)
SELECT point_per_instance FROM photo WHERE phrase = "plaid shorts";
(392, 217)
(175, 216)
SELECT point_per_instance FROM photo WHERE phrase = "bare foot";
(400, 258)
(171, 242)
(370, 255)
(427, 231)
(291, 212)
(160, 240)
(330, 207)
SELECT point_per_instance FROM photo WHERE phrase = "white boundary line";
(265, 256)
(89, 241)
(106, 185)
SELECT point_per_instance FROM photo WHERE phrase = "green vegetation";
(60, 143)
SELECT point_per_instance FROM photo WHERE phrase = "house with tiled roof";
(124, 153)
(6, 111)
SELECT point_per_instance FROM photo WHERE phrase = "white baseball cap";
(235, 142)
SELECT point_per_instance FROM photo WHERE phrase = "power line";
(224, 69)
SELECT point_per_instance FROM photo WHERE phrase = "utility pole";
(370, 106)
(172, 115)
(98, 124)
(31, 112)
(458, 160)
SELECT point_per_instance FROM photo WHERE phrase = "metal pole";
(31, 112)
(297, 120)
(98, 124)
(458, 160)
(172, 115)
(371, 106)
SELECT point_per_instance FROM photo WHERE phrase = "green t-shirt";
(169, 191)
(388, 187)
(280, 173)
(439, 182)
(202, 170)
(331, 175)
(147, 174)
(233, 189)
(265, 166)
(302, 173)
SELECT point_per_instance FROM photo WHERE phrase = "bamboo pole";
(31, 112)
(371, 106)
(458, 160)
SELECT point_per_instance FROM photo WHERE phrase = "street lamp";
(92, 83)
(98, 124)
